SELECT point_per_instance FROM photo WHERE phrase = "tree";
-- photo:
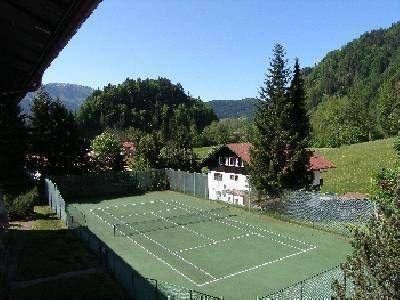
(297, 125)
(107, 152)
(374, 265)
(148, 150)
(172, 155)
(148, 105)
(268, 151)
(13, 138)
(55, 134)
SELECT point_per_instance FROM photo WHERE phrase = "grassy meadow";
(356, 165)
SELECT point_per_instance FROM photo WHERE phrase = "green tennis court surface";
(206, 246)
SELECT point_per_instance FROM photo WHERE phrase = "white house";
(228, 178)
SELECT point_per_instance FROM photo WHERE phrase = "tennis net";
(167, 222)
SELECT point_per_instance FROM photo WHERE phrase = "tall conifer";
(267, 153)
(297, 130)
(279, 157)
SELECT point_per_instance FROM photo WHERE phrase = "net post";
(190, 294)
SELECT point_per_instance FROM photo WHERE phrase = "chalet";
(228, 179)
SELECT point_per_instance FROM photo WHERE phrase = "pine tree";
(268, 151)
(55, 134)
(297, 128)
(279, 156)
(12, 146)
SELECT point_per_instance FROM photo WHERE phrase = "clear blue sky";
(217, 49)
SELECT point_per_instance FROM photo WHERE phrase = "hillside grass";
(356, 165)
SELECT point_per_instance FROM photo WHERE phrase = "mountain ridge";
(72, 95)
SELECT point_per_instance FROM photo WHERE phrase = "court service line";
(162, 246)
(149, 252)
(217, 242)
(255, 233)
(183, 226)
(254, 227)
(255, 267)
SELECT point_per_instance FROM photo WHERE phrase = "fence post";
(156, 289)
(205, 186)
(133, 283)
(190, 294)
(301, 290)
(194, 183)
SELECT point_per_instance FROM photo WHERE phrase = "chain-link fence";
(324, 211)
(194, 184)
(139, 287)
(118, 184)
(318, 286)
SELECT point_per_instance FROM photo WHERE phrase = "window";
(236, 178)
(231, 161)
(231, 177)
(220, 160)
(239, 162)
(217, 176)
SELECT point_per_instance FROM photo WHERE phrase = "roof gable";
(242, 150)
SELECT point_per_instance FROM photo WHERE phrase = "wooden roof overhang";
(33, 32)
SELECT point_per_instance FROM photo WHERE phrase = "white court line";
(255, 267)
(147, 213)
(130, 204)
(184, 227)
(250, 225)
(160, 245)
(217, 242)
(238, 272)
(241, 229)
(149, 252)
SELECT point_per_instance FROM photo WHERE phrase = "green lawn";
(49, 250)
(219, 257)
(356, 165)
(202, 152)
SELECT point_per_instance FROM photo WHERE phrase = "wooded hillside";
(354, 92)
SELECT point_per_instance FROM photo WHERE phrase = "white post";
(194, 184)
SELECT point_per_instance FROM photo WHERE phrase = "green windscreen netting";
(124, 229)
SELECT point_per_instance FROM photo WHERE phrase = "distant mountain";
(72, 95)
(233, 108)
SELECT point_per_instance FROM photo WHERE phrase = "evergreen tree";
(12, 145)
(297, 129)
(55, 134)
(268, 152)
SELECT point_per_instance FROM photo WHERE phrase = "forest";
(353, 94)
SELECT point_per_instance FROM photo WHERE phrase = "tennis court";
(205, 245)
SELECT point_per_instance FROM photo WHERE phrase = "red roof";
(128, 145)
(242, 150)
(317, 162)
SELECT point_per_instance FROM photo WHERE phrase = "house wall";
(316, 178)
(227, 189)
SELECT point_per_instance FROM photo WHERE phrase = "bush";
(21, 206)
